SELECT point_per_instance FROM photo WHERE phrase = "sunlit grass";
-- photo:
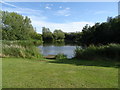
(43, 73)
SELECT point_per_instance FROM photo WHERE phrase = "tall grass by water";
(110, 51)
(24, 49)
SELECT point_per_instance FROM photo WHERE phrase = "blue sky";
(68, 16)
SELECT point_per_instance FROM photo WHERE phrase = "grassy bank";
(24, 49)
(23, 42)
(43, 73)
(110, 51)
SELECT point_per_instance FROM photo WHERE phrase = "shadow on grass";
(100, 63)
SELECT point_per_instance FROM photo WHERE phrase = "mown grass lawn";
(27, 73)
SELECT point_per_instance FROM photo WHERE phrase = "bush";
(111, 51)
(19, 49)
(61, 56)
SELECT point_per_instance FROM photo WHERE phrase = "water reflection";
(55, 48)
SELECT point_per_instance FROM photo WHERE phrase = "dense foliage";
(48, 36)
(24, 49)
(73, 37)
(17, 27)
(59, 35)
(111, 51)
(100, 33)
(104, 33)
(61, 56)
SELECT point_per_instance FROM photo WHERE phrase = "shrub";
(61, 56)
(111, 51)
(20, 49)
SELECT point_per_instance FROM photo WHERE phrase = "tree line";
(102, 33)
(18, 27)
(48, 36)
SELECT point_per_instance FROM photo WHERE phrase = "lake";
(56, 49)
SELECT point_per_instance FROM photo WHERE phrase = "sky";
(67, 16)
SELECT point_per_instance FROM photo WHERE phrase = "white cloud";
(66, 27)
(38, 19)
(48, 7)
(67, 8)
(20, 10)
(8, 4)
(64, 12)
(67, 14)
(24, 11)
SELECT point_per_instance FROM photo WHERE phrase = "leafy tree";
(16, 27)
(104, 33)
(58, 35)
(73, 37)
(47, 34)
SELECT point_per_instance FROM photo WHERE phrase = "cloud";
(64, 12)
(67, 8)
(48, 7)
(19, 9)
(39, 20)
(8, 4)
(66, 27)
(24, 11)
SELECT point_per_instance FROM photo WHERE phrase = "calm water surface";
(54, 50)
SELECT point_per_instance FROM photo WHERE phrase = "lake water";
(54, 50)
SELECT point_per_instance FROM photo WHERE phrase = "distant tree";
(58, 35)
(73, 37)
(47, 34)
(109, 19)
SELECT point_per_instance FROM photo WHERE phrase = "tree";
(73, 37)
(104, 33)
(58, 35)
(47, 34)
(16, 27)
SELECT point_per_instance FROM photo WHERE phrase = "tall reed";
(110, 51)
(24, 49)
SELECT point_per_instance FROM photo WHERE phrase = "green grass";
(43, 73)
